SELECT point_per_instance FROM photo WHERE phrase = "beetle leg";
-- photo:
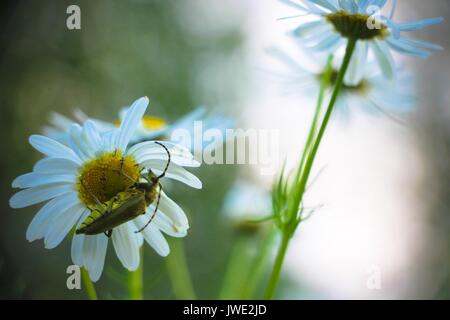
(123, 173)
(90, 193)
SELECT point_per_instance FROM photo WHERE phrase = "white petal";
(29, 197)
(153, 236)
(53, 148)
(77, 249)
(174, 172)
(166, 225)
(92, 136)
(56, 166)
(62, 222)
(94, 252)
(173, 211)
(152, 146)
(357, 66)
(33, 179)
(130, 122)
(126, 245)
(384, 57)
(77, 243)
(40, 225)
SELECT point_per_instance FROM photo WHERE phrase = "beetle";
(126, 205)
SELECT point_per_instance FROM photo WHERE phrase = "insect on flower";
(126, 205)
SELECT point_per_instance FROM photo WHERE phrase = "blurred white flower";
(70, 176)
(373, 93)
(246, 201)
(333, 22)
(149, 128)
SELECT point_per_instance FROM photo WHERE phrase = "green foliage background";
(125, 50)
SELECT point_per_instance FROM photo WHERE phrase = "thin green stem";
(88, 285)
(178, 271)
(276, 271)
(259, 265)
(298, 195)
(299, 191)
(238, 268)
(135, 279)
(312, 131)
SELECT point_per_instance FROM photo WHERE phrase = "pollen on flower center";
(106, 176)
(148, 122)
(153, 123)
(357, 26)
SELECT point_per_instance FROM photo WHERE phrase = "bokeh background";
(384, 195)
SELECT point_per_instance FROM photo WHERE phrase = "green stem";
(238, 269)
(276, 271)
(259, 265)
(312, 131)
(178, 271)
(88, 285)
(337, 88)
(339, 82)
(135, 279)
(304, 176)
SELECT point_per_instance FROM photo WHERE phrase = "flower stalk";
(88, 285)
(135, 279)
(288, 202)
(179, 275)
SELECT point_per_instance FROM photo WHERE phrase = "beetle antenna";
(154, 212)
(168, 161)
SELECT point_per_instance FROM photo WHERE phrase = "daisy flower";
(373, 93)
(100, 165)
(333, 22)
(246, 201)
(149, 128)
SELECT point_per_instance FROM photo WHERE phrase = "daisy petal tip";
(164, 253)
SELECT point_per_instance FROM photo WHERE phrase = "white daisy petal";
(166, 225)
(130, 122)
(62, 222)
(77, 249)
(173, 172)
(94, 252)
(153, 236)
(33, 179)
(31, 196)
(52, 148)
(173, 211)
(77, 243)
(126, 245)
(40, 225)
(56, 166)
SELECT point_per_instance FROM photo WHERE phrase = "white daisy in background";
(332, 22)
(149, 128)
(246, 201)
(70, 175)
(373, 93)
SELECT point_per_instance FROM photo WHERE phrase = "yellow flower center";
(105, 176)
(357, 26)
(153, 123)
(149, 123)
(362, 87)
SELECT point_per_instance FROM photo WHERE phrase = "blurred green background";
(125, 50)
(180, 54)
